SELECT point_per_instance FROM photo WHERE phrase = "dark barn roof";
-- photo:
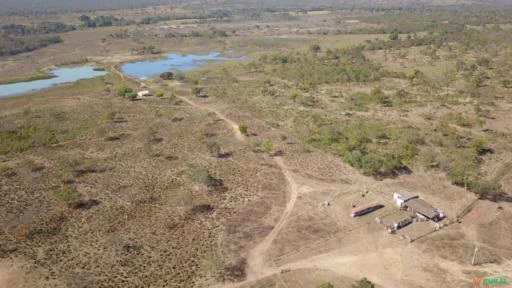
(370, 207)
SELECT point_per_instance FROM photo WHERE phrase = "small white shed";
(401, 197)
(144, 93)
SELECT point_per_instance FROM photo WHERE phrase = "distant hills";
(45, 6)
(51, 6)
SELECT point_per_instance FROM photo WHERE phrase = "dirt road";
(259, 262)
(230, 122)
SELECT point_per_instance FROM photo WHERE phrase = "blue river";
(61, 76)
(141, 69)
(171, 63)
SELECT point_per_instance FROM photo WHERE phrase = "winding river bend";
(60, 76)
(141, 70)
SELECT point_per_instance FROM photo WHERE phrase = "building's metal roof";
(421, 206)
(404, 195)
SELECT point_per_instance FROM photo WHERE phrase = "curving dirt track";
(230, 122)
(259, 262)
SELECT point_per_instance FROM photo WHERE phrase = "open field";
(339, 110)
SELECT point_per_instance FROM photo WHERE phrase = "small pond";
(173, 63)
(61, 76)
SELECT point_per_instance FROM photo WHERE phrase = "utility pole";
(474, 255)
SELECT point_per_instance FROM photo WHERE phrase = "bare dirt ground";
(10, 277)
(303, 238)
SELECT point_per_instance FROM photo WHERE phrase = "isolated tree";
(394, 36)
(123, 90)
(196, 90)
(167, 76)
(84, 18)
(315, 48)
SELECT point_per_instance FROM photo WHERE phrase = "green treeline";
(12, 46)
(465, 36)
(45, 27)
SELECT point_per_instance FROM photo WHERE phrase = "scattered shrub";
(202, 176)
(374, 164)
(123, 91)
(363, 283)
(484, 62)
(86, 204)
(461, 120)
(381, 98)
(25, 137)
(213, 148)
(461, 174)
(309, 101)
(467, 176)
(196, 90)
(394, 36)
(80, 168)
(359, 101)
(243, 129)
(65, 193)
(131, 96)
(159, 94)
(484, 188)
(478, 145)
(315, 48)
(167, 76)
(365, 146)
(267, 146)
(201, 208)
(235, 272)
(407, 153)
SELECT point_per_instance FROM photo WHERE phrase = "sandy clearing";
(10, 278)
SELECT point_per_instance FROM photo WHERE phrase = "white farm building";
(144, 93)
(406, 200)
